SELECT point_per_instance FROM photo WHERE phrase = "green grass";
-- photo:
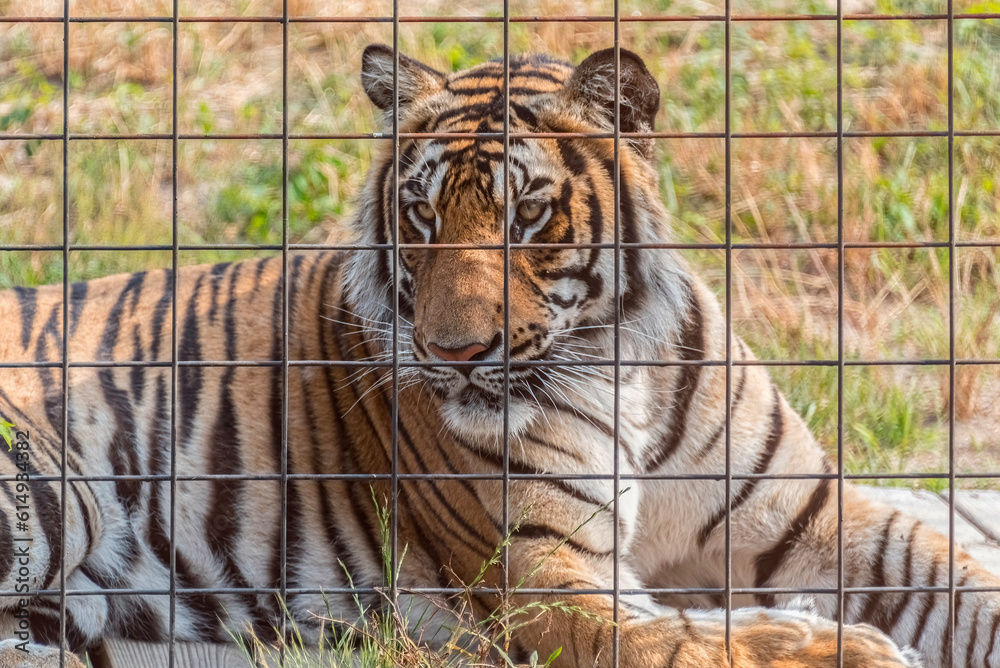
(381, 637)
(784, 191)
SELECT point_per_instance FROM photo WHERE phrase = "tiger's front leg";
(653, 636)
(884, 547)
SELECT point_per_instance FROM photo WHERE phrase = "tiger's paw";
(766, 637)
(865, 645)
(29, 655)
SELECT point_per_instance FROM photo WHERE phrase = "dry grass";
(784, 77)
(417, 630)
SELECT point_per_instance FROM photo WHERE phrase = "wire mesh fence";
(284, 132)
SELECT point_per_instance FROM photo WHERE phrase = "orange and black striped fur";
(671, 533)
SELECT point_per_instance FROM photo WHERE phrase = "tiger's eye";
(425, 211)
(530, 210)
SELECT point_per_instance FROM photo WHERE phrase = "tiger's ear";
(415, 79)
(593, 84)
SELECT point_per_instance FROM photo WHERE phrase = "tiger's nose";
(458, 354)
(474, 352)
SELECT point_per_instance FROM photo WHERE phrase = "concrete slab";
(977, 517)
(981, 509)
(929, 507)
(131, 654)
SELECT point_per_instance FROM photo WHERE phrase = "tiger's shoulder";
(129, 317)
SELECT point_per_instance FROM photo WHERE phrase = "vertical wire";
(506, 295)
(728, 595)
(394, 495)
(616, 434)
(65, 338)
(951, 336)
(285, 292)
(840, 333)
(174, 241)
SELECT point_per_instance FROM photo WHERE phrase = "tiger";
(459, 343)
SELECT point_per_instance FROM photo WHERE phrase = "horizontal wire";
(526, 591)
(665, 18)
(528, 477)
(102, 364)
(793, 245)
(819, 134)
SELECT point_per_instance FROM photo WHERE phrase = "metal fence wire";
(727, 19)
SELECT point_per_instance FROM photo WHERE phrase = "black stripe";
(970, 648)
(346, 446)
(427, 543)
(408, 446)
(672, 662)
(584, 273)
(134, 619)
(577, 583)
(137, 374)
(230, 329)
(190, 378)
(949, 639)
(523, 468)
(203, 608)
(317, 268)
(6, 547)
(78, 294)
(49, 510)
(721, 429)
(763, 462)
(554, 402)
(894, 616)
(88, 522)
(10, 409)
(294, 283)
(467, 532)
(27, 302)
(124, 445)
(123, 448)
(51, 392)
(928, 607)
(548, 445)
(875, 600)
(45, 627)
(215, 278)
(294, 513)
(160, 314)
(769, 562)
(222, 534)
(382, 221)
(259, 271)
(995, 635)
(341, 551)
(524, 69)
(635, 287)
(693, 342)
(112, 329)
(572, 158)
(688, 633)
(483, 90)
(542, 532)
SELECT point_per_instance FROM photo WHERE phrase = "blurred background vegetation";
(784, 190)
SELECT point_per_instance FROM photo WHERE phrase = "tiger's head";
(561, 190)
